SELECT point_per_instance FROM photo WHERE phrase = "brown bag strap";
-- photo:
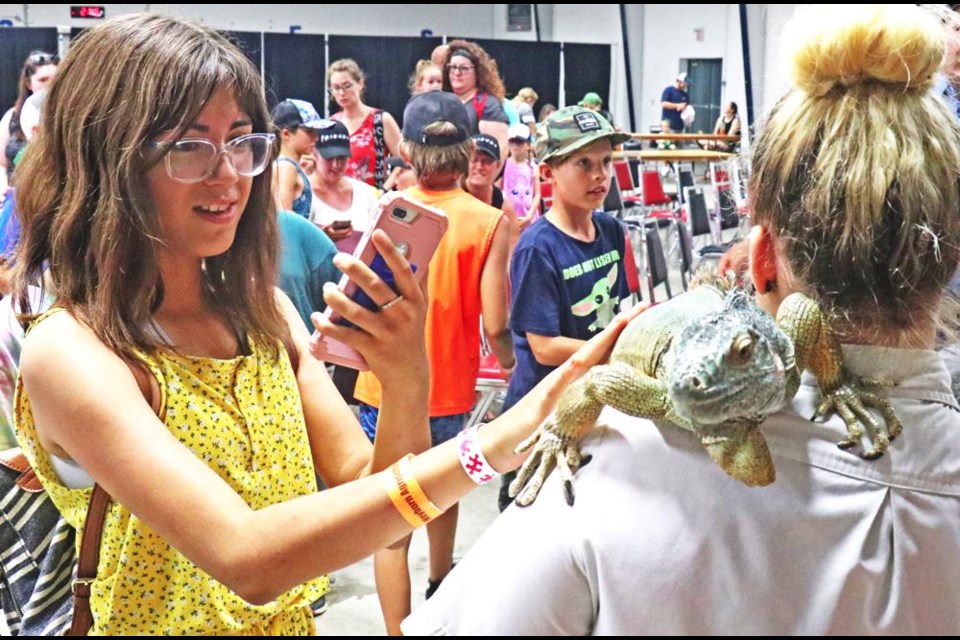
(88, 561)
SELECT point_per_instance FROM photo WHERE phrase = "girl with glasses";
(172, 373)
(374, 134)
(38, 71)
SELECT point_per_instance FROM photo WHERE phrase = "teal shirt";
(513, 116)
(306, 263)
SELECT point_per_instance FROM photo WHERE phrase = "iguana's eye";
(741, 351)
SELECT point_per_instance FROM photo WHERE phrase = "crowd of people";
(169, 259)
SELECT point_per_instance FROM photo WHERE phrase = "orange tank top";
(453, 311)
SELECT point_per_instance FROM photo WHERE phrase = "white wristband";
(471, 457)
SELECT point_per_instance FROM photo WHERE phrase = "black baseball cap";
(333, 140)
(487, 144)
(425, 109)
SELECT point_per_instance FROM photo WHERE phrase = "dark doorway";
(706, 80)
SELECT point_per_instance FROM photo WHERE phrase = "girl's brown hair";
(858, 168)
(83, 204)
(488, 76)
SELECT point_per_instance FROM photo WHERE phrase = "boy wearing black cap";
(567, 273)
(467, 275)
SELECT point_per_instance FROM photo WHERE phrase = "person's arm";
(667, 103)
(496, 129)
(289, 185)
(535, 203)
(391, 134)
(718, 128)
(494, 300)
(553, 351)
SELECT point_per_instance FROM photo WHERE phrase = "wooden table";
(675, 155)
(685, 137)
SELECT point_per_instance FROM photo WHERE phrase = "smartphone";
(416, 229)
(341, 224)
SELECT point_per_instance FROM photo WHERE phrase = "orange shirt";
(453, 311)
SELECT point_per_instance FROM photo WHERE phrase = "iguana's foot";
(550, 449)
(850, 400)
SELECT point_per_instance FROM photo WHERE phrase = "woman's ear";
(763, 260)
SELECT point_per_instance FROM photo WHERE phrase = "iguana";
(716, 364)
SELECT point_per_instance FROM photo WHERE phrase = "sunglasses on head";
(41, 59)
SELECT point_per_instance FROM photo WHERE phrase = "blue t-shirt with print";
(561, 286)
(672, 94)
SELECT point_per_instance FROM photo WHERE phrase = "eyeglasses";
(191, 160)
(341, 88)
(41, 59)
(459, 68)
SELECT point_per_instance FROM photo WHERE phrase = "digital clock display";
(88, 11)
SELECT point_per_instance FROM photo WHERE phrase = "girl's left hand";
(390, 339)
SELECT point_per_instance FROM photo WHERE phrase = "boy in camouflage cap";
(567, 273)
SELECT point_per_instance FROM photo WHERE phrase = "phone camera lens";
(400, 214)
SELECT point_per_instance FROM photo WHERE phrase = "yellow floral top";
(244, 419)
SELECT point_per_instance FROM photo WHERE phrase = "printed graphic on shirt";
(601, 299)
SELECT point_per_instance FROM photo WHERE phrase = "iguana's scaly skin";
(716, 365)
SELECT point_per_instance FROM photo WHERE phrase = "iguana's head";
(729, 365)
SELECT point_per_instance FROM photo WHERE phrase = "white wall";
(476, 20)
(775, 80)
(596, 24)
(670, 34)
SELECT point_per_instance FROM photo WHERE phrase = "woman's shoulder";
(493, 110)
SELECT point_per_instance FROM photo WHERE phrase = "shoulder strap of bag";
(88, 561)
(380, 149)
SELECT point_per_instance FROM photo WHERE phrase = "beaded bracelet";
(471, 457)
(407, 495)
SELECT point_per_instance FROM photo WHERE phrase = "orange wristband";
(406, 494)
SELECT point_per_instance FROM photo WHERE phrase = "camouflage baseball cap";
(571, 129)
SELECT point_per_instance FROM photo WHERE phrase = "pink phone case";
(416, 229)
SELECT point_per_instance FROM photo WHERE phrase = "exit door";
(706, 82)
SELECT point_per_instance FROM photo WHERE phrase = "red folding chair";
(546, 197)
(656, 203)
(627, 188)
(630, 267)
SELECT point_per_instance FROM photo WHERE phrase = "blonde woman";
(856, 192)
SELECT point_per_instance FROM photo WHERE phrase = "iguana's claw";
(850, 400)
(550, 450)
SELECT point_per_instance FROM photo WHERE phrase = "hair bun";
(897, 44)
